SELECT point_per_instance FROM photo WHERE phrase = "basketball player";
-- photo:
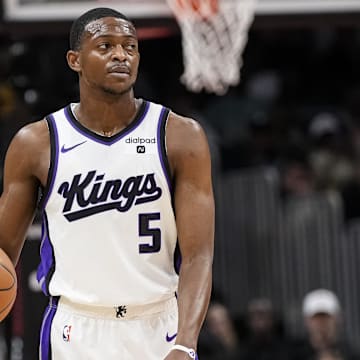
(113, 171)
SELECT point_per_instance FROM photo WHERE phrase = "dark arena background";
(285, 144)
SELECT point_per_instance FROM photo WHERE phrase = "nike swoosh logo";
(170, 338)
(66, 149)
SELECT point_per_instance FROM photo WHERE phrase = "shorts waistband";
(121, 312)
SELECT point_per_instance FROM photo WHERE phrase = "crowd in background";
(260, 335)
(296, 112)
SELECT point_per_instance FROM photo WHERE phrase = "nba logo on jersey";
(66, 333)
(140, 149)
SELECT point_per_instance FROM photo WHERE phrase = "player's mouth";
(119, 69)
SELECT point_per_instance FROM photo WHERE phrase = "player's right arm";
(24, 170)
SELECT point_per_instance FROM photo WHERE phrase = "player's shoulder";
(185, 137)
(184, 126)
(185, 130)
(31, 135)
(28, 144)
(33, 128)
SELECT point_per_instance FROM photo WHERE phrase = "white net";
(214, 35)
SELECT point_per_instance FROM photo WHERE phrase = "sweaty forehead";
(109, 25)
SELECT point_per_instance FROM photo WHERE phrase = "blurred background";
(285, 144)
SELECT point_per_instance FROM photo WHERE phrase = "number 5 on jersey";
(145, 229)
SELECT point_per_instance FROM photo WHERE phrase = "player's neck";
(107, 116)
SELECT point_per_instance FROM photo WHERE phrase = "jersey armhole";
(54, 150)
(163, 120)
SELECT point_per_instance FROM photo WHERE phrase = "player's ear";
(72, 58)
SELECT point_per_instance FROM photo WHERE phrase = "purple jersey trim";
(177, 258)
(46, 267)
(140, 116)
(45, 333)
(161, 143)
(161, 135)
(47, 264)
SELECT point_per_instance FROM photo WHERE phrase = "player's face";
(109, 55)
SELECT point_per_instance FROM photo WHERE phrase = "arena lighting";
(34, 10)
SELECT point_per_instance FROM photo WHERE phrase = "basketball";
(8, 285)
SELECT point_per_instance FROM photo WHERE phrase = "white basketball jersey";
(109, 232)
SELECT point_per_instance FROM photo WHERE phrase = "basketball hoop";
(214, 35)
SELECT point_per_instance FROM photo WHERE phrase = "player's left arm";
(189, 158)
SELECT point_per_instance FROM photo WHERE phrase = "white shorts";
(76, 332)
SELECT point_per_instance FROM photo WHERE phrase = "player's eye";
(104, 46)
(132, 47)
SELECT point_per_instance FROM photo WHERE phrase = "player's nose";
(118, 53)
